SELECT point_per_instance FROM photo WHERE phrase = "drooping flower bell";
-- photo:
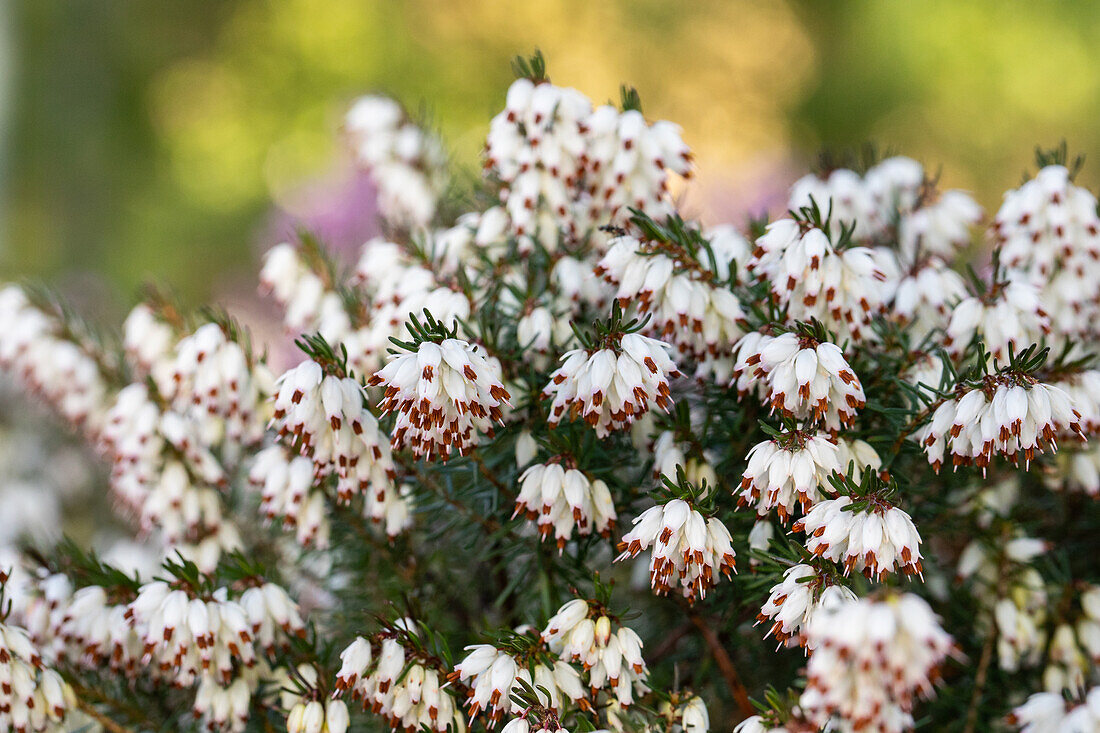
(807, 378)
(690, 551)
(611, 387)
(445, 396)
(563, 499)
(875, 541)
(1009, 413)
(793, 601)
(788, 472)
(871, 659)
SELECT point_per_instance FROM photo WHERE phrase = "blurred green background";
(152, 140)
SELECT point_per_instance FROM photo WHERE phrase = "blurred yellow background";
(153, 140)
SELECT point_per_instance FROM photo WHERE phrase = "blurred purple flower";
(735, 195)
(340, 209)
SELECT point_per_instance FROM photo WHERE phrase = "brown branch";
(356, 522)
(500, 486)
(915, 423)
(668, 644)
(488, 523)
(87, 697)
(108, 723)
(725, 665)
(984, 661)
(979, 681)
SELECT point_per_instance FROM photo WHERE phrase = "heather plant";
(552, 455)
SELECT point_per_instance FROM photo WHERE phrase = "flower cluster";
(208, 377)
(310, 304)
(445, 395)
(405, 162)
(562, 498)
(793, 602)
(164, 470)
(190, 637)
(689, 550)
(1009, 317)
(495, 676)
(870, 660)
(869, 202)
(802, 377)
(85, 627)
(169, 633)
(611, 387)
(288, 493)
(925, 298)
(1008, 414)
(61, 369)
(33, 697)
(788, 473)
(628, 162)
(565, 168)
(689, 310)
(325, 418)
(535, 147)
(939, 226)
(397, 683)
(1048, 235)
(581, 632)
(843, 287)
(895, 194)
(876, 541)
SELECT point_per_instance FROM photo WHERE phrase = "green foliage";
(630, 99)
(430, 330)
(1058, 156)
(334, 360)
(530, 67)
(607, 333)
